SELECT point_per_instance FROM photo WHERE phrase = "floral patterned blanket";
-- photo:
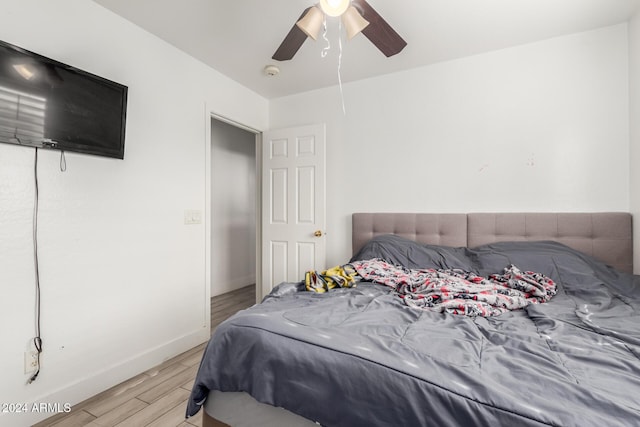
(460, 292)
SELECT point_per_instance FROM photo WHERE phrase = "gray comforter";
(361, 357)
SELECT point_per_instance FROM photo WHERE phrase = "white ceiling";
(238, 37)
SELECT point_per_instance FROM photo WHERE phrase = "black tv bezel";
(79, 147)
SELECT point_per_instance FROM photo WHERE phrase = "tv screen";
(45, 103)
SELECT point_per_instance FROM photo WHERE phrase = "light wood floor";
(157, 397)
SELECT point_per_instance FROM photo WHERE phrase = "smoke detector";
(271, 70)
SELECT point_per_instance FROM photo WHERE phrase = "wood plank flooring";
(157, 397)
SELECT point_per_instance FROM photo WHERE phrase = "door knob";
(318, 233)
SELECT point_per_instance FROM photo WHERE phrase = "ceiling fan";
(357, 16)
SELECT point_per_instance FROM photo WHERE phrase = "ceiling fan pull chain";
(344, 110)
(325, 50)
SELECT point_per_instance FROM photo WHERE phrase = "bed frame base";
(209, 421)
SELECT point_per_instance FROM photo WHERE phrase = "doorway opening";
(233, 215)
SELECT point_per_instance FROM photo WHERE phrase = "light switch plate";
(192, 217)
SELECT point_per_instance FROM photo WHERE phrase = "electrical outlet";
(30, 361)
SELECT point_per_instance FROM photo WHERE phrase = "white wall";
(123, 279)
(540, 127)
(233, 208)
(634, 122)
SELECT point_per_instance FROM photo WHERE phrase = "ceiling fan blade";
(379, 32)
(292, 42)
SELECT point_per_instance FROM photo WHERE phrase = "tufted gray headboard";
(606, 236)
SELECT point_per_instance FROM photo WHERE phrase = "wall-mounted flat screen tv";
(48, 104)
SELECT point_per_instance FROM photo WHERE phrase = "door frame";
(209, 115)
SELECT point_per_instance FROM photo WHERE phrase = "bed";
(360, 356)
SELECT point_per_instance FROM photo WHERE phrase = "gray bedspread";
(361, 357)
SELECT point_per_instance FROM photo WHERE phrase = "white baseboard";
(104, 379)
(219, 288)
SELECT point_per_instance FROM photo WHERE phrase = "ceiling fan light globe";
(334, 7)
(311, 22)
(353, 22)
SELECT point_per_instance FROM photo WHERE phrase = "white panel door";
(293, 204)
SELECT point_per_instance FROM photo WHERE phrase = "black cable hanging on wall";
(37, 340)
